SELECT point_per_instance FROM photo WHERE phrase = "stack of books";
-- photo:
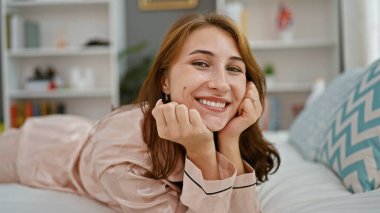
(21, 111)
(22, 33)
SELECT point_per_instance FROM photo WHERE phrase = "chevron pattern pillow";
(351, 147)
(309, 128)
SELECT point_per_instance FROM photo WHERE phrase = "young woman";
(193, 145)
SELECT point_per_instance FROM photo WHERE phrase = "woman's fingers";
(253, 95)
(158, 115)
(170, 115)
(195, 118)
(182, 114)
(173, 120)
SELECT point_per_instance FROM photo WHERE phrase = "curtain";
(372, 21)
(361, 32)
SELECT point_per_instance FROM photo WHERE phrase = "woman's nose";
(219, 81)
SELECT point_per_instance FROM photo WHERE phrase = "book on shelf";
(14, 115)
(8, 30)
(22, 110)
(31, 34)
(16, 31)
(22, 33)
(271, 118)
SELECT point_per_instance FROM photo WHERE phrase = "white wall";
(361, 32)
(372, 30)
(1, 81)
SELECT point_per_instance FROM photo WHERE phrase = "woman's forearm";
(206, 161)
(230, 149)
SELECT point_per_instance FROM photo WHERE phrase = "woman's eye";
(235, 69)
(201, 64)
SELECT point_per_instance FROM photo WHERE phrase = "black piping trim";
(207, 193)
(240, 187)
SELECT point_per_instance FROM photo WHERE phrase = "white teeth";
(212, 103)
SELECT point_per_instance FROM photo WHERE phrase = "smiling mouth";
(213, 104)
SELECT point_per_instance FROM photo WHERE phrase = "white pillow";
(309, 128)
(317, 90)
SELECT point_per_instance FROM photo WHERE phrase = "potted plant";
(269, 72)
(132, 80)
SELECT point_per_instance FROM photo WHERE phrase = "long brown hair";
(260, 154)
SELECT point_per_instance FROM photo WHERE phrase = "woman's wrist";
(230, 142)
(205, 153)
(231, 150)
(229, 147)
(204, 148)
(206, 161)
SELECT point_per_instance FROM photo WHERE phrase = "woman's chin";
(215, 126)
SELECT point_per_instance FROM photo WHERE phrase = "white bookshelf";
(297, 44)
(61, 93)
(37, 3)
(289, 87)
(49, 52)
(312, 53)
(77, 22)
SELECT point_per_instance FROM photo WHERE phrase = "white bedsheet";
(15, 198)
(299, 186)
(305, 186)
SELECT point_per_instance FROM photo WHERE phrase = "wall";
(353, 37)
(151, 26)
(372, 30)
(1, 58)
(361, 29)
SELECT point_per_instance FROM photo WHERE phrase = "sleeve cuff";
(227, 173)
(247, 179)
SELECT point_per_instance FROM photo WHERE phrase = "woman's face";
(208, 75)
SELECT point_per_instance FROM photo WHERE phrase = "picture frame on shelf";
(149, 5)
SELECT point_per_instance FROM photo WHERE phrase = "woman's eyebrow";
(236, 58)
(206, 52)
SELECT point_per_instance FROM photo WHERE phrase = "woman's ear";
(165, 85)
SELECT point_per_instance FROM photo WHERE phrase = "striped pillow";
(351, 147)
(309, 128)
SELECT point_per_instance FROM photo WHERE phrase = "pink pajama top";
(107, 162)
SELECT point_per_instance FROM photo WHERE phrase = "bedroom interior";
(321, 59)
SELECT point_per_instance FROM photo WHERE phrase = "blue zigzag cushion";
(309, 128)
(351, 147)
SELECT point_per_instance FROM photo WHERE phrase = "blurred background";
(87, 57)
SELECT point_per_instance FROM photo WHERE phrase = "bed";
(330, 158)
(331, 153)
(299, 186)
(306, 186)
(16, 198)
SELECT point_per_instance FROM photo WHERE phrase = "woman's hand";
(249, 112)
(228, 138)
(175, 122)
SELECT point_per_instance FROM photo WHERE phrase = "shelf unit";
(63, 93)
(68, 51)
(312, 53)
(289, 87)
(298, 44)
(77, 22)
(1, 82)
